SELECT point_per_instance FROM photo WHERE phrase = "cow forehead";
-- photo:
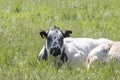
(55, 33)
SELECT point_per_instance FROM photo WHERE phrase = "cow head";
(55, 40)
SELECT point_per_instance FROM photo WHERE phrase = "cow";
(99, 53)
(54, 43)
(70, 50)
(104, 52)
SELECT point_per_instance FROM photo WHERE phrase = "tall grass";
(20, 43)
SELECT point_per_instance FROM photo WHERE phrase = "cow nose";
(56, 48)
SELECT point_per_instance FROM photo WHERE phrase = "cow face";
(55, 40)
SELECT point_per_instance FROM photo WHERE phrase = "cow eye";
(49, 38)
(61, 38)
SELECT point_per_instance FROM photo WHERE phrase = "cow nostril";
(56, 48)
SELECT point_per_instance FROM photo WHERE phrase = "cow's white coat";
(77, 49)
(99, 53)
(114, 52)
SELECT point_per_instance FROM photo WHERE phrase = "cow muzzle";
(55, 51)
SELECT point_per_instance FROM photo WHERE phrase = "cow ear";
(43, 34)
(67, 33)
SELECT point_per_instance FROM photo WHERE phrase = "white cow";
(99, 53)
(104, 52)
(70, 50)
(77, 49)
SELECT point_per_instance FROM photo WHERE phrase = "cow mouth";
(55, 52)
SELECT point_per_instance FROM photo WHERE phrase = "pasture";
(20, 42)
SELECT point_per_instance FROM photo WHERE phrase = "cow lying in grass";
(70, 50)
(104, 53)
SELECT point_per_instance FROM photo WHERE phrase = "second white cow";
(104, 52)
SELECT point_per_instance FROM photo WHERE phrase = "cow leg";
(43, 54)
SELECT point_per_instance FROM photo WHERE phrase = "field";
(20, 42)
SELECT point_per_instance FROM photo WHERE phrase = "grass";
(20, 42)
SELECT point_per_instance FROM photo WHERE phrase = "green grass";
(20, 42)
